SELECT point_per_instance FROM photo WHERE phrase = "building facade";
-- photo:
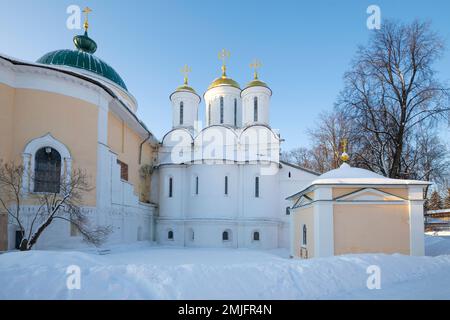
(352, 210)
(71, 110)
(224, 185)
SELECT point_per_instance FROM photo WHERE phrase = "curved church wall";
(28, 114)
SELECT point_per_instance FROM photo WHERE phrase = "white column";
(323, 222)
(292, 233)
(103, 178)
(416, 227)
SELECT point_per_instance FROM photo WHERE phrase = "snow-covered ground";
(148, 272)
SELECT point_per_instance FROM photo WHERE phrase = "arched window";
(226, 185)
(191, 234)
(170, 235)
(181, 112)
(235, 112)
(257, 187)
(255, 109)
(225, 236)
(170, 187)
(209, 114)
(47, 170)
(221, 109)
(304, 235)
(289, 174)
(256, 236)
(196, 185)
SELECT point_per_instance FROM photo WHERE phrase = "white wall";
(190, 109)
(263, 95)
(212, 98)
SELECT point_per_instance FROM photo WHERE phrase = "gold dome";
(224, 81)
(185, 87)
(256, 83)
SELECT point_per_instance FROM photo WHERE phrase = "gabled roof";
(350, 176)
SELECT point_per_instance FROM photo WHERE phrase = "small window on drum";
(170, 235)
(256, 236)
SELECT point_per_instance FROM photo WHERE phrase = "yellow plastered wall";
(303, 216)
(6, 121)
(36, 113)
(371, 228)
(126, 143)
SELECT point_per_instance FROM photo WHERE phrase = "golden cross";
(86, 12)
(224, 55)
(344, 155)
(185, 71)
(344, 145)
(255, 65)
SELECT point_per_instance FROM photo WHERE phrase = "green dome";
(83, 58)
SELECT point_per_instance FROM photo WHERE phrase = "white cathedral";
(224, 185)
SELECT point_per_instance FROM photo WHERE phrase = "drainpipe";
(141, 145)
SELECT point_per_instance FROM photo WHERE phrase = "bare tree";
(326, 138)
(299, 156)
(63, 204)
(391, 92)
(435, 201)
(447, 200)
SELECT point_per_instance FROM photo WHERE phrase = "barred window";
(47, 171)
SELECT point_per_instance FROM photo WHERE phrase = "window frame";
(196, 185)
(257, 189)
(170, 193)
(28, 160)
(255, 109)
(226, 186)
(47, 186)
(222, 115)
(181, 113)
(304, 236)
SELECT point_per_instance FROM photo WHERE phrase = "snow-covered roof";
(347, 175)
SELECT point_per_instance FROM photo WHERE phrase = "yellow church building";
(71, 109)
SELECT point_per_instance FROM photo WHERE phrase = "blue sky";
(305, 46)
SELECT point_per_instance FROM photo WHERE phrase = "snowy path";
(143, 272)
